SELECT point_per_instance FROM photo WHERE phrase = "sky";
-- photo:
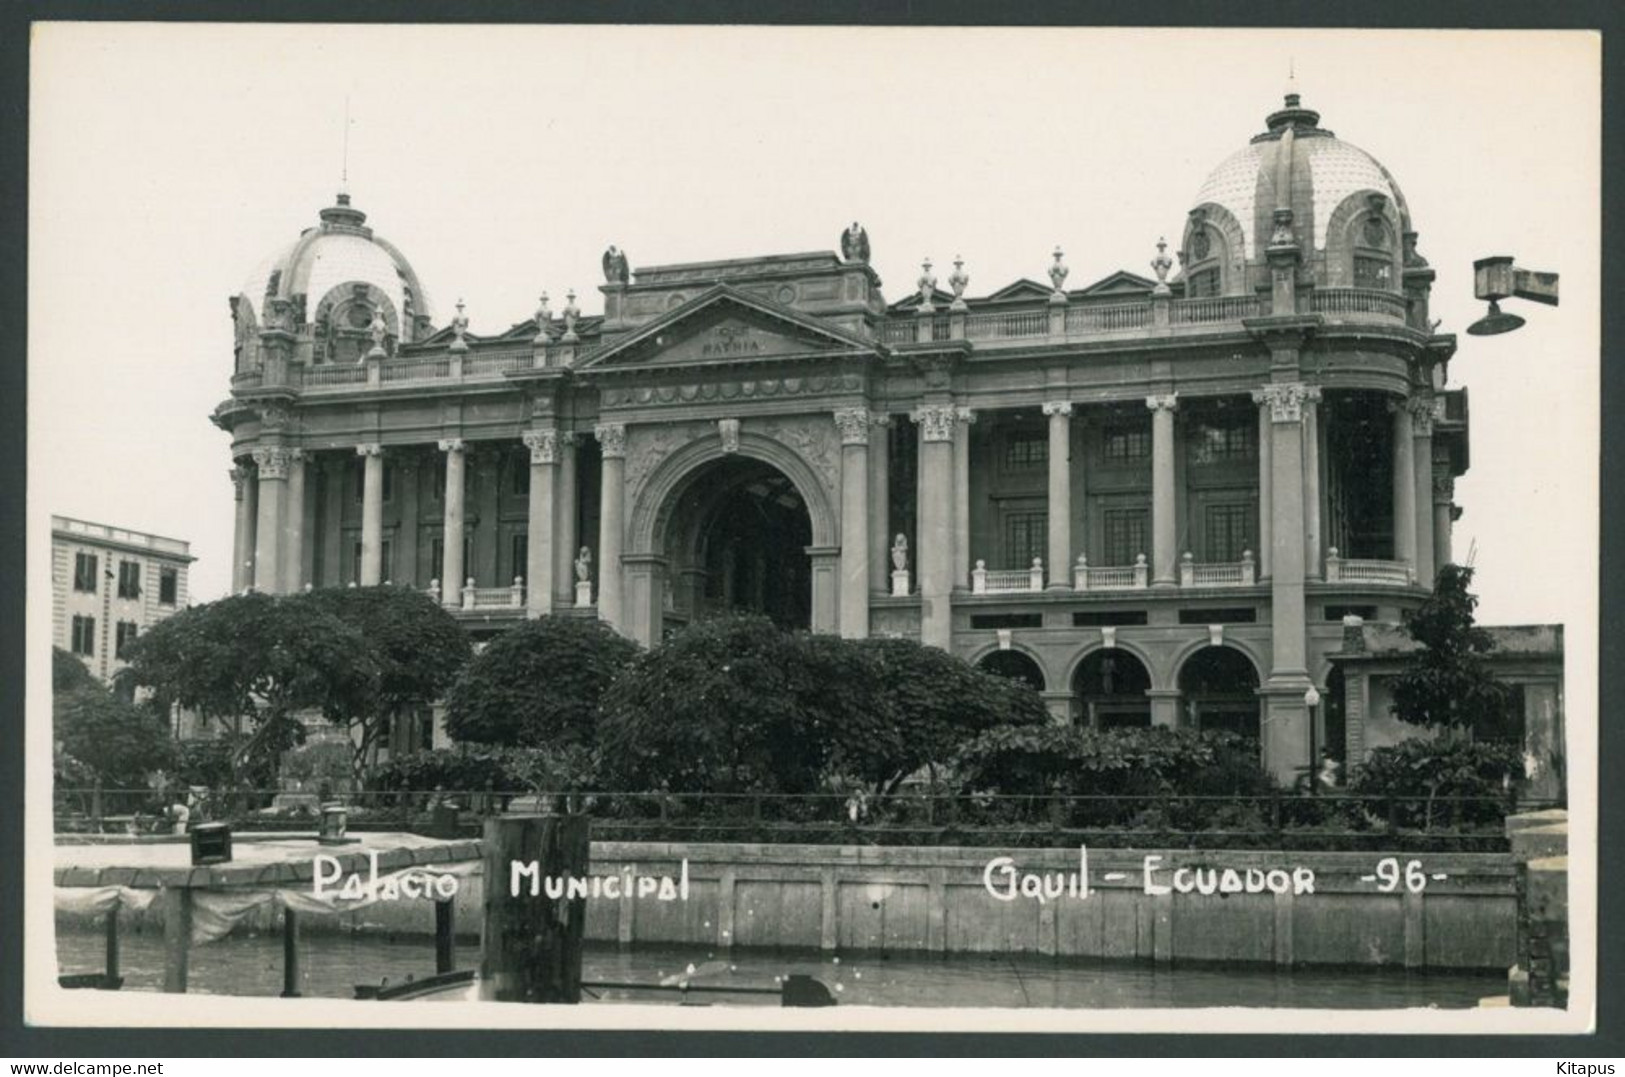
(168, 160)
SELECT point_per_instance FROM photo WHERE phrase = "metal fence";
(1330, 821)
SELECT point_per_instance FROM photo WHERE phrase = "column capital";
(239, 477)
(369, 448)
(452, 444)
(612, 438)
(1421, 409)
(543, 445)
(965, 415)
(1058, 407)
(1444, 486)
(1287, 399)
(879, 418)
(728, 431)
(272, 462)
(1163, 402)
(297, 456)
(853, 423)
(936, 422)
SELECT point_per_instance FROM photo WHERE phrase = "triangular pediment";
(1023, 289)
(724, 325)
(1121, 282)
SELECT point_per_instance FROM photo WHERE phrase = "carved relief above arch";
(339, 332)
(1366, 224)
(799, 447)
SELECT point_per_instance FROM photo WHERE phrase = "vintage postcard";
(834, 528)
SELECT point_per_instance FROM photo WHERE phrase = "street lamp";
(1311, 699)
(1496, 279)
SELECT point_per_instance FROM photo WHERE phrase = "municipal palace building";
(1182, 499)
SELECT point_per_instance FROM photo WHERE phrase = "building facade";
(1156, 498)
(109, 585)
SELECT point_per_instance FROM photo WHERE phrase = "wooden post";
(445, 944)
(112, 970)
(290, 954)
(530, 948)
(177, 939)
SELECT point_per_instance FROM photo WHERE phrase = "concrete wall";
(934, 900)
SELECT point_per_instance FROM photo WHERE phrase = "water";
(332, 964)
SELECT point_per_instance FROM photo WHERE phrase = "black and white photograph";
(851, 528)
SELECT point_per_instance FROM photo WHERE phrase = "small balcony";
(469, 597)
(1368, 571)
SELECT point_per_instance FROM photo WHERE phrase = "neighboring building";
(1157, 499)
(109, 585)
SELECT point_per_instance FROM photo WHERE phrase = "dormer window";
(1202, 284)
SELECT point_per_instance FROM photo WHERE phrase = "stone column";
(934, 550)
(1422, 475)
(272, 462)
(1164, 707)
(611, 498)
(1311, 482)
(293, 525)
(880, 503)
(372, 514)
(1404, 485)
(566, 541)
(853, 423)
(540, 529)
(242, 544)
(486, 464)
(962, 559)
(1164, 529)
(332, 537)
(1060, 495)
(1265, 467)
(1286, 720)
(451, 538)
(1444, 496)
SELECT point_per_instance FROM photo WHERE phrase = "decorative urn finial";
(1057, 274)
(571, 313)
(459, 328)
(544, 321)
(928, 285)
(1160, 265)
(958, 281)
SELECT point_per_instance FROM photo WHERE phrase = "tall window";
(84, 572)
(520, 553)
(520, 466)
(1124, 443)
(124, 635)
(1124, 535)
(1025, 535)
(169, 585)
(1229, 531)
(84, 635)
(1372, 272)
(1226, 440)
(129, 579)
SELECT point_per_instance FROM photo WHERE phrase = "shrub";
(539, 684)
(1421, 770)
(471, 767)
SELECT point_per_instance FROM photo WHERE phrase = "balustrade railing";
(345, 374)
(497, 362)
(1241, 573)
(485, 598)
(1006, 581)
(1368, 570)
(1110, 319)
(1359, 301)
(1218, 308)
(429, 369)
(1086, 577)
(900, 331)
(1007, 325)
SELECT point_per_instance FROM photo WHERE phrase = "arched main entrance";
(736, 541)
(1219, 690)
(1110, 686)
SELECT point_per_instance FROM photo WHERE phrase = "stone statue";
(899, 553)
(616, 271)
(378, 329)
(855, 244)
(584, 565)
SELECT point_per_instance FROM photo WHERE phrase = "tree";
(728, 705)
(101, 736)
(539, 684)
(418, 650)
(923, 704)
(1447, 683)
(255, 660)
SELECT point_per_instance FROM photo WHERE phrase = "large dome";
(1343, 205)
(333, 276)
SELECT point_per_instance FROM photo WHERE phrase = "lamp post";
(1311, 699)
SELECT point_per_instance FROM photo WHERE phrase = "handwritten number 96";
(1389, 875)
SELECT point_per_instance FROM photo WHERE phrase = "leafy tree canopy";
(1448, 682)
(1039, 759)
(540, 683)
(117, 742)
(69, 673)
